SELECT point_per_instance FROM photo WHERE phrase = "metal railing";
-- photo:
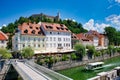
(52, 74)
(23, 75)
(4, 70)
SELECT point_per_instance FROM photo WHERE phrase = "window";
(69, 45)
(50, 38)
(54, 39)
(54, 45)
(46, 44)
(43, 39)
(38, 45)
(16, 39)
(33, 32)
(28, 38)
(50, 32)
(28, 45)
(37, 28)
(50, 44)
(34, 45)
(23, 38)
(64, 39)
(34, 39)
(43, 45)
(16, 45)
(30, 27)
(26, 31)
(23, 45)
(46, 38)
(59, 39)
(59, 45)
(2, 42)
(38, 39)
(64, 44)
(40, 32)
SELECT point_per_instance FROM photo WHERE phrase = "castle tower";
(58, 16)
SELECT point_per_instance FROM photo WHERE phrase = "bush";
(64, 57)
(73, 56)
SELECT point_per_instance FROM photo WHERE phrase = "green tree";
(90, 51)
(110, 32)
(5, 54)
(110, 50)
(80, 50)
(97, 53)
(73, 56)
(27, 52)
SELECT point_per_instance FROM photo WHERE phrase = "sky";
(93, 14)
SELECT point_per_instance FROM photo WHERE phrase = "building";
(28, 35)
(74, 39)
(52, 18)
(43, 38)
(3, 40)
(58, 37)
(97, 38)
(83, 39)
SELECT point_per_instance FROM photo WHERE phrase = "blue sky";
(93, 14)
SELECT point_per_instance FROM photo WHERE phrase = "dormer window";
(49, 27)
(61, 25)
(62, 28)
(33, 31)
(58, 28)
(66, 29)
(37, 28)
(39, 32)
(26, 31)
(31, 27)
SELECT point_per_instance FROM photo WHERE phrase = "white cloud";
(3, 25)
(113, 3)
(114, 20)
(118, 1)
(91, 25)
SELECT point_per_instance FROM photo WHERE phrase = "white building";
(28, 35)
(58, 37)
(3, 40)
(42, 37)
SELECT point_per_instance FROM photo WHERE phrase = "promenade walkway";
(29, 73)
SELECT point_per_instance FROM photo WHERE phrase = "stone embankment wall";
(69, 64)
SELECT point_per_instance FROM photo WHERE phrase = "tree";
(27, 52)
(110, 32)
(73, 56)
(110, 50)
(91, 51)
(80, 50)
(97, 53)
(5, 54)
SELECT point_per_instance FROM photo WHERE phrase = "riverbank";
(78, 73)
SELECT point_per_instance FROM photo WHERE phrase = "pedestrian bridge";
(29, 70)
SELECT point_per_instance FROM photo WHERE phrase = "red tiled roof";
(3, 36)
(55, 27)
(93, 33)
(81, 36)
(74, 36)
(30, 29)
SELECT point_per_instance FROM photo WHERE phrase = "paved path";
(30, 72)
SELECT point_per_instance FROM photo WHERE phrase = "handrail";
(38, 72)
(49, 72)
(21, 72)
